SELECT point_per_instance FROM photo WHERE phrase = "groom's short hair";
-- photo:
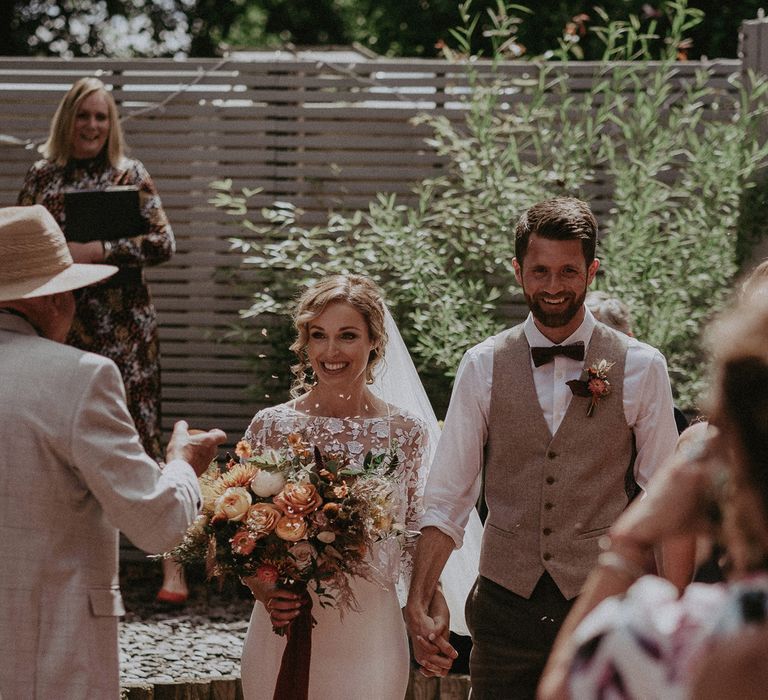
(560, 219)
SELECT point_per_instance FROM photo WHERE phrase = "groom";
(556, 475)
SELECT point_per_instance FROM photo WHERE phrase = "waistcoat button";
(547, 531)
(546, 556)
(548, 506)
(551, 454)
(550, 479)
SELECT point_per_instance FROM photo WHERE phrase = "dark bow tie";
(546, 354)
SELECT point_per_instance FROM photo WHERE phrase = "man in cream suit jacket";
(72, 473)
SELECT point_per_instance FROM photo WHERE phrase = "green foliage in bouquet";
(670, 246)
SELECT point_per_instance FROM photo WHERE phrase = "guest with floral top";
(630, 636)
(85, 150)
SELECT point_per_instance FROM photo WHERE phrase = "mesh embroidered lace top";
(401, 431)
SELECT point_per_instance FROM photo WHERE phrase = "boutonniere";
(595, 386)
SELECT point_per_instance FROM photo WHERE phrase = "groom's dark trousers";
(512, 637)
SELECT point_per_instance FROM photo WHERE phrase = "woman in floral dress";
(341, 342)
(85, 151)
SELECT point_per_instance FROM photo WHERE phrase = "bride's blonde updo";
(360, 293)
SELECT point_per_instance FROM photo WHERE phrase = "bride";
(343, 329)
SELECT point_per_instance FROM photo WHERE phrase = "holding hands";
(429, 631)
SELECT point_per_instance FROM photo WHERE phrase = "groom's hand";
(197, 448)
(429, 630)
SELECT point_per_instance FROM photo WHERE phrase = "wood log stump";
(452, 687)
(226, 688)
(138, 691)
(184, 690)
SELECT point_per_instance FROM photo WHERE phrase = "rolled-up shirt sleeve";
(454, 481)
(649, 410)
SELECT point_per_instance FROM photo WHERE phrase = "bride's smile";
(334, 366)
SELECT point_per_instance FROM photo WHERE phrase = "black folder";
(103, 215)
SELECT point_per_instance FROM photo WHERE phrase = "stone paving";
(201, 640)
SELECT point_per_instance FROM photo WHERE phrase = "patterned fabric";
(647, 644)
(405, 433)
(116, 321)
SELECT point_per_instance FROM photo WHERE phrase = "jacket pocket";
(106, 602)
(597, 532)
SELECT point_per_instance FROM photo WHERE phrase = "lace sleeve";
(415, 450)
(416, 478)
(270, 428)
(260, 433)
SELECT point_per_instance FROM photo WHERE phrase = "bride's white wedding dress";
(361, 654)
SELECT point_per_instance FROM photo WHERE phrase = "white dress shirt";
(454, 482)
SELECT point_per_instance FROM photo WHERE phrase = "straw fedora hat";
(35, 259)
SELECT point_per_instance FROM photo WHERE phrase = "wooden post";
(753, 52)
(753, 44)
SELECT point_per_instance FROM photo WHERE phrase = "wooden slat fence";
(324, 137)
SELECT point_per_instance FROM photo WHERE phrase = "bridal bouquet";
(295, 518)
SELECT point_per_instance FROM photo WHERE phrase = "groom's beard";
(551, 319)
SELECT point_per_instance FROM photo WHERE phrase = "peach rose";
(267, 483)
(298, 498)
(233, 504)
(243, 542)
(291, 528)
(262, 519)
(267, 573)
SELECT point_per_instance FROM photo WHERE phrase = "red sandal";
(171, 598)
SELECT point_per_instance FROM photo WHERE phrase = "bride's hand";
(282, 605)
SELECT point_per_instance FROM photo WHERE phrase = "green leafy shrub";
(677, 180)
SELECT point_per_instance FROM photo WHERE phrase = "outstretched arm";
(426, 613)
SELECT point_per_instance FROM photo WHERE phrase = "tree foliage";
(118, 28)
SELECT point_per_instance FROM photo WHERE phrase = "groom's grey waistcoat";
(550, 498)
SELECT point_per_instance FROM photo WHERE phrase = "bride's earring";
(373, 356)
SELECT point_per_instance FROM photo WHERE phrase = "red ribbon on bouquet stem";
(293, 678)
